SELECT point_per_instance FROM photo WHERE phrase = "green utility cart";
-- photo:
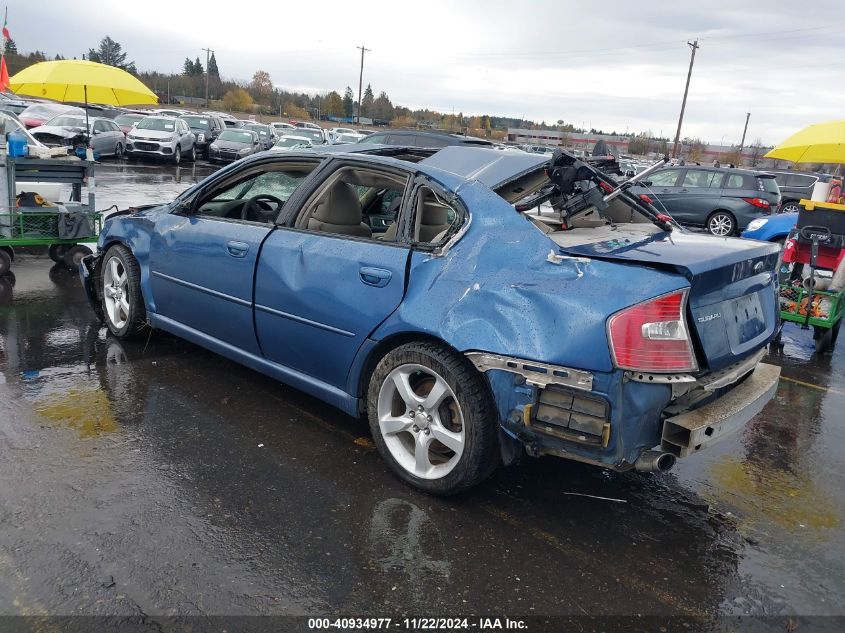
(60, 228)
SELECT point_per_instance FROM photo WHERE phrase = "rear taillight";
(760, 203)
(652, 336)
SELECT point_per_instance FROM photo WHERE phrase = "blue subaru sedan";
(774, 228)
(423, 290)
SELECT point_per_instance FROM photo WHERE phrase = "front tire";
(432, 418)
(177, 155)
(192, 155)
(5, 262)
(118, 151)
(721, 224)
(122, 301)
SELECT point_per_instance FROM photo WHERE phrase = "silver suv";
(161, 137)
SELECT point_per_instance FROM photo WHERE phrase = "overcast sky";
(621, 65)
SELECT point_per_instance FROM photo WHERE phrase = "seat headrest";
(340, 206)
(434, 213)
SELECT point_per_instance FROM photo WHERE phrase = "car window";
(430, 141)
(738, 181)
(797, 180)
(99, 127)
(701, 178)
(112, 126)
(664, 178)
(375, 139)
(278, 181)
(434, 218)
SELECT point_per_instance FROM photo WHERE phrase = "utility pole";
(361, 79)
(208, 53)
(744, 130)
(694, 46)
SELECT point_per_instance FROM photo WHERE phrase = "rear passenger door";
(699, 195)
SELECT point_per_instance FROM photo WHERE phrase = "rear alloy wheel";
(721, 224)
(123, 304)
(73, 256)
(432, 418)
(177, 155)
(790, 207)
(57, 252)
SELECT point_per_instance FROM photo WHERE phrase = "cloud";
(619, 66)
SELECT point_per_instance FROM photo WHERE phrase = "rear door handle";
(378, 277)
(237, 249)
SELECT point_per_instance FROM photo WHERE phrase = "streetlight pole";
(694, 46)
(208, 53)
(361, 79)
(744, 130)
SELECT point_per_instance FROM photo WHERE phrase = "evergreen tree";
(212, 67)
(367, 101)
(198, 69)
(188, 67)
(11, 47)
(111, 53)
(348, 102)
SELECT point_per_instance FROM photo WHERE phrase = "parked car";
(68, 130)
(206, 127)
(127, 121)
(97, 110)
(343, 130)
(722, 200)
(39, 113)
(465, 332)
(227, 118)
(9, 103)
(796, 186)
(418, 138)
(266, 134)
(234, 144)
(306, 124)
(340, 139)
(289, 143)
(161, 137)
(282, 127)
(317, 137)
(174, 112)
(773, 228)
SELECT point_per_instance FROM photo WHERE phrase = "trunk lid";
(732, 308)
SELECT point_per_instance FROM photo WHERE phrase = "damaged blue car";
(424, 290)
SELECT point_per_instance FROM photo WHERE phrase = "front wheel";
(177, 155)
(118, 151)
(192, 155)
(123, 303)
(5, 261)
(721, 224)
(432, 418)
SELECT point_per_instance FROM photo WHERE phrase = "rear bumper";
(694, 430)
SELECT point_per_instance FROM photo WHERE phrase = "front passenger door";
(665, 190)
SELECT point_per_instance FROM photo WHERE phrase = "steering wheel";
(256, 201)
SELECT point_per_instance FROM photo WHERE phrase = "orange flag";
(4, 75)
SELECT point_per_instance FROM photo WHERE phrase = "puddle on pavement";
(86, 410)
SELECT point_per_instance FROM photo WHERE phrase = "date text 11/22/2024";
(417, 624)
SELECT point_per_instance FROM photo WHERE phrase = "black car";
(419, 138)
(795, 186)
(206, 127)
(266, 134)
(722, 200)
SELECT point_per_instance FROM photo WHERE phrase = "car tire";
(192, 155)
(120, 289)
(5, 261)
(442, 446)
(57, 252)
(823, 338)
(721, 224)
(118, 151)
(790, 207)
(73, 256)
(177, 155)
(6, 290)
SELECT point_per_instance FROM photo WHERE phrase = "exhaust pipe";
(651, 461)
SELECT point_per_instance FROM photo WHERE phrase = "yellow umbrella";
(819, 143)
(80, 80)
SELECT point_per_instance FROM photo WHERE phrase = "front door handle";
(237, 249)
(378, 277)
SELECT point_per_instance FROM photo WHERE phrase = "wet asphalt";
(155, 479)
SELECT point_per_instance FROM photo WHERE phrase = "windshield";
(67, 121)
(314, 135)
(13, 124)
(197, 122)
(128, 119)
(48, 110)
(155, 123)
(236, 136)
(258, 128)
(293, 142)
